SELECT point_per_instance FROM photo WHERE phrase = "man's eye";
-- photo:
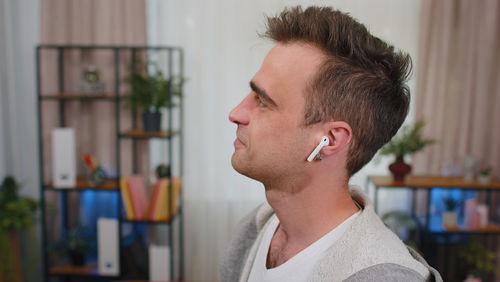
(260, 104)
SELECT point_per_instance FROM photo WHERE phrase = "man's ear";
(340, 135)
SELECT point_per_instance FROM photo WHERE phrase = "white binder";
(63, 157)
(108, 244)
(159, 263)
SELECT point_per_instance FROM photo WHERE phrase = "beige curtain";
(110, 22)
(89, 22)
(458, 85)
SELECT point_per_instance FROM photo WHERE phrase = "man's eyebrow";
(262, 93)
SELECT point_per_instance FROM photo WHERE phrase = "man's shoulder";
(370, 239)
(387, 272)
(378, 245)
(366, 244)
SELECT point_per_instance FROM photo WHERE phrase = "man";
(326, 77)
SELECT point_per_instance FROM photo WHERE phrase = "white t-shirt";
(299, 266)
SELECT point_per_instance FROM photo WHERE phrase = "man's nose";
(241, 113)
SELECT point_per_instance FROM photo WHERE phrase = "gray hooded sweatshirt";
(367, 251)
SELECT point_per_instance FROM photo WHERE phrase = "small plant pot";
(96, 177)
(151, 121)
(449, 219)
(162, 171)
(399, 169)
(484, 179)
(77, 258)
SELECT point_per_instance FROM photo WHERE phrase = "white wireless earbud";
(323, 143)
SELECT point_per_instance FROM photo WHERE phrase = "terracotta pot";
(399, 169)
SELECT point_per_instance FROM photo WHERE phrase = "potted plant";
(149, 92)
(484, 176)
(16, 213)
(96, 175)
(77, 244)
(479, 262)
(449, 215)
(162, 171)
(407, 142)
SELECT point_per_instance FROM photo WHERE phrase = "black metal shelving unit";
(440, 244)
(174, 67)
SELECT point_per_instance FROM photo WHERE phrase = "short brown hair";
(363, 82)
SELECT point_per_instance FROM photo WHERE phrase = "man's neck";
(306, 214)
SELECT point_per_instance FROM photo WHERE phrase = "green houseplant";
(77, 244)
(408, 141)
(477, 260)
(16, 213)
(484, 176)
(149, 92)
(162, 171)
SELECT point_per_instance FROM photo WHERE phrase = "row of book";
(138, 206)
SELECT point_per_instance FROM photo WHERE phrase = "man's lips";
(238, 142)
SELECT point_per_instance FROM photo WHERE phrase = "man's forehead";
(293, 62)
(287, 69)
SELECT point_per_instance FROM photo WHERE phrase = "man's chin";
(235, 162)
(238, 164)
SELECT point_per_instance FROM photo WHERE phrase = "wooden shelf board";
(429, 181)
(83, 183)
(139, 133)
(490, 228)
(167, 221)
(146, 221)
(68, 269)
(436, 226)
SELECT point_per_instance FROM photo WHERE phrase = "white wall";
(222, 52)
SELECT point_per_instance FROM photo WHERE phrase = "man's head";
(271, 139)
(353, 77)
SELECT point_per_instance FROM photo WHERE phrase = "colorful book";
(154, 196)
(150, 201)
(127, 201)
(177, 187)
(161, 210)
(138, 195)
